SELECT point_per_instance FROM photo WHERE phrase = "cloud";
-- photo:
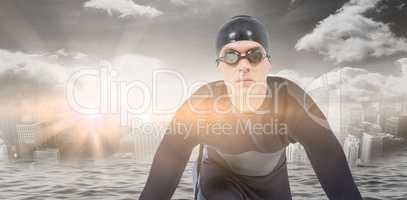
(206, 8)
(34, 65)
(211, 2)
(36, 84)
(64, 56)
(294, 76)
(398, 85)
(353, 84)
(28, 74)
(403, 64)
(19, 70)
(294, 4)
(181, 2)
(38, 74)
(349, 36)
(74, 55)
(125, 8)
(132, 67)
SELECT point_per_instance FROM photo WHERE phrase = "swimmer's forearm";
(331, 167)
(167, 168)
(326, 155)
(329, 162)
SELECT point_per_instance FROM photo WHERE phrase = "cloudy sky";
(45, 40)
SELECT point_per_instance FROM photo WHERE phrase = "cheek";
(262, 69)
(227, 71)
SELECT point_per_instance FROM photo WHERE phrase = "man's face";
(244, 75)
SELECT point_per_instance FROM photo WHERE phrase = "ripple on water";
(124, 178)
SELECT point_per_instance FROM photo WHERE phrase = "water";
(3, 152)
(123, 177)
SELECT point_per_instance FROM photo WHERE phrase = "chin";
(245, 84)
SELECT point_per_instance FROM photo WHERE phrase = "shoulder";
(210, 89)
(216, 88)
(203, 97)
(285, 88)
(274, 82)
(298, 103)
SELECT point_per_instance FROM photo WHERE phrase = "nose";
(244, 65)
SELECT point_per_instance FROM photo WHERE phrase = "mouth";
(245, 80)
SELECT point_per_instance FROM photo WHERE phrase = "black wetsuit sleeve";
(322, 147)
(170, 158)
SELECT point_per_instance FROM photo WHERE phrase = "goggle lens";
(231, 58)
(254, 56)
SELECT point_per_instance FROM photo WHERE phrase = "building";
(351, 149)
(372, 147)
(370, 112)
(8, 126)
(404, 105)
(28, 132)
(296, 154)
(47, 154)
(3, 149)
(402, 126)
(389, 111)
(28, 135)
(372, 128)
(147, 137)
(391, 125)
(67, 142)
(356, 115)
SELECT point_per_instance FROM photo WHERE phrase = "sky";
(43, 42)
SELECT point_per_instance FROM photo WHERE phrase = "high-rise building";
(28, 135)
(370, 112)
(372, 147)
(8, 126)
(404, 105)
(351, 149)
(3, 149)
(296, 153)
(390, 111)
(402, 126)
(28, 132)
(356, 116)
(147, 137)
(390, 125)
(47, 154)
(371, 128)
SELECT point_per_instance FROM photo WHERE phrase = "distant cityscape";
(369, 131)
(27, 139)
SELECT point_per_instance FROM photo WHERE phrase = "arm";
(323, 149)
(174, 151)
(167, 168)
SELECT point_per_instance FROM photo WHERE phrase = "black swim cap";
(242, 27)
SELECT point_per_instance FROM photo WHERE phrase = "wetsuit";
(244, 154)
